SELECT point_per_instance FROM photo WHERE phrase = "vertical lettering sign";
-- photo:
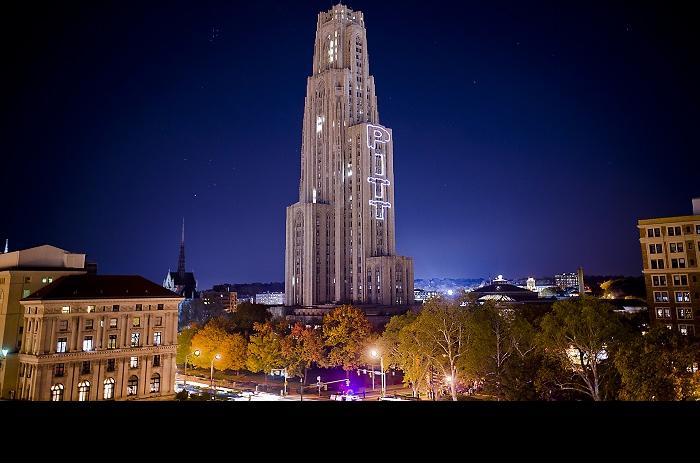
(377, 138)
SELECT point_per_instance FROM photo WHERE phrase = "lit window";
(155, 383)
(87, 343)
(133, 386)
(135, 338)
(65, 309)
(136, 321)
(108, 389)
(134, 362)
(156, 338)
(112, 322)
(684, 313)
(84, 391)
(61, 345)
(687, 330)
(90, 309)
(57, 393)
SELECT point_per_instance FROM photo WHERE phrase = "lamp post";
(216, 357)
(376, 354)
(196, 354)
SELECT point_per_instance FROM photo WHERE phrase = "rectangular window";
(680, 280)
(683, 313)
(657, 264)
(115, 308)
(63, 325)
(112, 343)
(62, 345)
(682, 296)
(156, 360)
(110, 364)
(112, 322)
(85, 370)
(87, 343)
(656, 248)
(687, 330)
(139, 307)
(65, 309)
(134, 362)
(661, 296)
(159, 321)
(156, 338)
(160, 306)
(89, 324)
(663, 312)
(90, 309)
(135, 338)
(59, 369)
(136, 321)
(658, 280)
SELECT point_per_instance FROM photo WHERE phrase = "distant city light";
(450, 292)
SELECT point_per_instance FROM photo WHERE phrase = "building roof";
(679, 219)
(187, 281)
(101, 287)
(505, 292)
(44, 256)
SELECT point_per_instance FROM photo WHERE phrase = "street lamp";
(196, 354)
(216, 357)
(376, 354)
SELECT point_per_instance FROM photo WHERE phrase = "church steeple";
(181, 259)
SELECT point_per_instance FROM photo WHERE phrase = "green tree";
(264, 349)
(247, 315)
(399, 342)
(581, 335)
(444, 334)
(212, 340)
(503, 340)
(660, 365)
(344, 332)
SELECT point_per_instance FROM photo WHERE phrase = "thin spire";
(181, 259)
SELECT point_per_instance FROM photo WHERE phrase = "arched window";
(84, 391)
(109, 389)
(133, 386)
(155, 382)
(57, 393)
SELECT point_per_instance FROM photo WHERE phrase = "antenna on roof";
(6, 244)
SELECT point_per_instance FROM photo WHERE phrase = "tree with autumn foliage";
(302, 348)
(265, 349)
(212, 340)
(345, 330)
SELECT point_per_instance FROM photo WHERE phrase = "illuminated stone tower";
(340, 241)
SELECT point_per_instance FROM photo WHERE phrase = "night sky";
(529, 137)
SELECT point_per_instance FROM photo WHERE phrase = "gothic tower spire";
(181, 259)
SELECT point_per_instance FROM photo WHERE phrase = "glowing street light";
(376, 354)
(216, 357)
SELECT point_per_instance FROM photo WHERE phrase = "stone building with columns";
(106, 337)
(340, 235)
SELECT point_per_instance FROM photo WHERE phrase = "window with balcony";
(62, 345)
(87, 343)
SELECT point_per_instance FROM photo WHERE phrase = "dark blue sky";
(529, 138)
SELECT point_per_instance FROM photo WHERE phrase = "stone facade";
(671, 273)
(100, 348)
(21, 274)
(340, 236)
